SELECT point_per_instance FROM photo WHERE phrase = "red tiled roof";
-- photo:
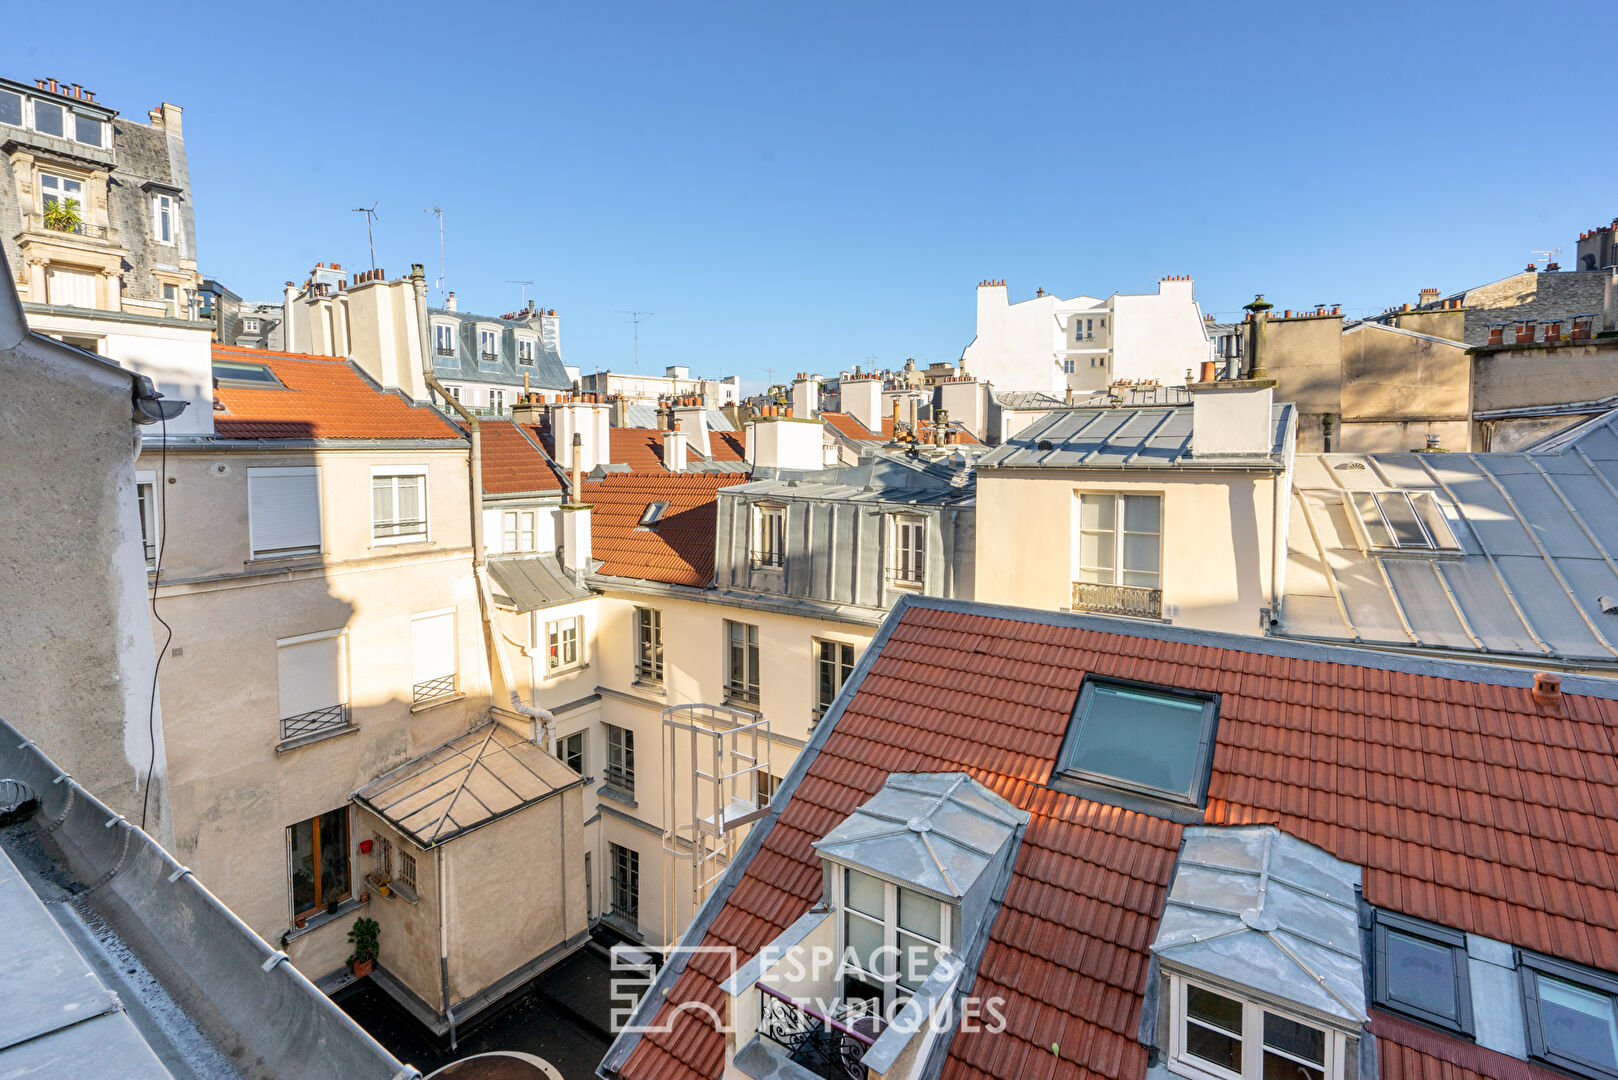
(679, 549)
(1410, 1051)
(324, 399)
(852, 428)
(1465, 802)
(642, 448)
(512, 460)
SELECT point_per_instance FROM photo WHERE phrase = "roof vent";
(1547, 688)
(1044, 444)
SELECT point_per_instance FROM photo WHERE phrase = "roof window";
(1572, 1016)
(1139, 740)
(1421, 971)
(1399, 521)
(654, 514)
(256, 376)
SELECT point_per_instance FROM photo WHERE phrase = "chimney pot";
(53, 86)
(1547, 688)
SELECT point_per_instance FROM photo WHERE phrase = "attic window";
(1139, 740)
(654, 514)
(1399, 521)
(255, 376)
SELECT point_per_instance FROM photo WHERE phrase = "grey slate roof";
(1128, 397)
(887, 479)
(531, 582)
(546, 372)
(645, 416)
(1149, 437)
(1539, 539)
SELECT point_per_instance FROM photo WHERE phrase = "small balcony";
(444, 350)
(1131, 601)
(80, 228)
(833, 1049)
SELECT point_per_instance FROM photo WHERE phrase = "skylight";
(1400, 521)
(1142, 740)
(257, 376)
(654, 513)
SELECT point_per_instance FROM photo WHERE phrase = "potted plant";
(363, 936)
(62, 215)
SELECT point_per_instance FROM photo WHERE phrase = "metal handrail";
(314, 722)
(857, 1036)
(433, 688)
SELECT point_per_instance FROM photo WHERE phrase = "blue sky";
(811, 186)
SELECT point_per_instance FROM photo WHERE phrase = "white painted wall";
(1158, 336)
(178, 360)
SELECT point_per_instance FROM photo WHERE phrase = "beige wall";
(1397, 388)
(1304, 356)
(1217, 537)
(1511, 378)
(408, 937)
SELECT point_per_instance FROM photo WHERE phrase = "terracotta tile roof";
(1409, 1051)
(679, 549)
(324, 398)
(642, 448)
(1465, 802)
(512, 460)
(853, 429)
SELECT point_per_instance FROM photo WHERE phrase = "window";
(571, 751)
(163, 219)
(620, 758)
(250, 325)
(517, 530)
(407, 871)
(1572, 1021)
(489, 344)
(54, 190)
(70, 288)
(769, 536)
(1067, 366)
(834, 662)
(741, 662)
(907, 550)
(283, 511)
(1421, 971)
(319, 869)
(10, 108)
(1400, 521)
(653, 513)
(398, 507)
(1120, 537)
(497, 400)
(87, 130)
(48, 118)
(649, 645)
(433, 655)
(625, 881)
(525, 351)
(171, 301)
(254, 376)
(311, 681)
(443, 339)
(1212, 1033)
(893, 936)
(146, 503)
(765, 787)
(1089, 329)
(1145, 740)
(564, 644)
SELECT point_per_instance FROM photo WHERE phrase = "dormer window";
(769, 536)
(49, 118)
(10, 108)
(893, 938)
(443, 339)
(488, 345)
(1149, 744)
(1399, 521)
(525, 351)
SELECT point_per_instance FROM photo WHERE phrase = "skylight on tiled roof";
(1150, 743)
(256, 376)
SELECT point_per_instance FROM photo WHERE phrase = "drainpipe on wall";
(443, 947)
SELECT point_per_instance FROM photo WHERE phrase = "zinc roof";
(1463, 800)
(1537, 567)
(531, 582)
(321, 397)
(1148, 437)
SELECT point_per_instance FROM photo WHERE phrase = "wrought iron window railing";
(317, 722)
(1130, 600)
(433, 688)
(79, 228)
(445, 350)
(621, 778)
(826, 1047)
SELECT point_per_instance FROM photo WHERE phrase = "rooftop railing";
(1129, 600)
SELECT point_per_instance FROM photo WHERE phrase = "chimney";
(806, 395)
(862, 399)
(693, 420)
(1428, 296)
(1547, 688)
(1232, 417)
(1258, 315)
(449, 302)
(588, 421)
(777, 441)
(528, 411)
(674, 451)
(940, 426)
(171, 118)
(576, 517)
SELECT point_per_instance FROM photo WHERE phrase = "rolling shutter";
(283, 510)
(310, 675)
(432, 644)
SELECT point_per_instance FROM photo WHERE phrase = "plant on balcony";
(63, 215)
(363, 935)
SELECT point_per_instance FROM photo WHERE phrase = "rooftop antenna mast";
(524, 284)
(1547, 257)
(637, 317)
(440, 213)
(370, 216)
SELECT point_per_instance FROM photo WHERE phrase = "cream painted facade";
(675, 382)
(174, 353)
(1219, 569)
(238, 786)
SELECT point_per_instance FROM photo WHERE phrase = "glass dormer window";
(49, 118)
(489, 345)
(10, 108)
(1400, 521)
(1152, 741)
(892, 939)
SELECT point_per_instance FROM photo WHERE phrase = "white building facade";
(1085, 343)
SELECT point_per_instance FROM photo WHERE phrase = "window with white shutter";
(313, 689)
(398, 505)
(432, 647)
(283, 511)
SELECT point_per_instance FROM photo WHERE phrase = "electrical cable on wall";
(160, 493)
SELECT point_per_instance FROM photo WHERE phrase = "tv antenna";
(370, 216)
(1547, 257)
(637, 317)
(440, 213)
(524, 284)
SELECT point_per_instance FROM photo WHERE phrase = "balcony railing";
(79, 228)
(1130, 600)
(445, 350)
(621, 778)
(318, 722)
(490, 357)
(433, 688)
(826, 1047)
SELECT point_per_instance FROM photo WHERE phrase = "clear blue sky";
(794, 185)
